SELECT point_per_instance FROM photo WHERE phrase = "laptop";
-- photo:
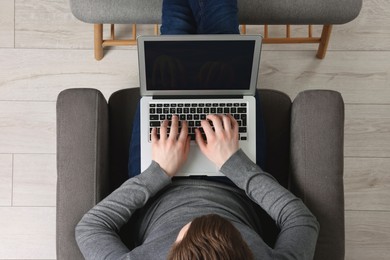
(194, 75)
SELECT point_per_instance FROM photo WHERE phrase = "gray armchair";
(304, 152)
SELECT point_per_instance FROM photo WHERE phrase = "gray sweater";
(168, 205)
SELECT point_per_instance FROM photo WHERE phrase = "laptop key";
(154, 123)
(241, 110)
(242, 129)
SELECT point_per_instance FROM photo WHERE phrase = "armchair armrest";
(317, 141)
(82, 162)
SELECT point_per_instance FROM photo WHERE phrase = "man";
(168, 207)
(198, 218)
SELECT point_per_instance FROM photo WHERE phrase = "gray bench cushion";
(250, 11)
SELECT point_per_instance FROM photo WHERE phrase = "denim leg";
(177, 18)
(215, 16)
(134, 163)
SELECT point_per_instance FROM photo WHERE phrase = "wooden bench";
(251, 12)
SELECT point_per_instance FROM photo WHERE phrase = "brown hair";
(211, 237)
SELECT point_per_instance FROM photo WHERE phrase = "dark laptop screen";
(197, 65)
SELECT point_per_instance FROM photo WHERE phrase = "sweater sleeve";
(97, 232)
(298, 227)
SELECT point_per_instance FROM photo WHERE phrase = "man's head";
(210, 237)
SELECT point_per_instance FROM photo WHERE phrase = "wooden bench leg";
(325, 36)
(98, 43)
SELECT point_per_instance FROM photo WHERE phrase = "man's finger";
(174, 127)
(233, 122)
(199, 140)
(208, 130)
(163, 130)
(183, 132)
(227, 124)
(216, 122)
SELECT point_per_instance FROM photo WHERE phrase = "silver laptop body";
(185, 73)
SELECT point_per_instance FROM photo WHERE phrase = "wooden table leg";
(98, 43)
(325, 36)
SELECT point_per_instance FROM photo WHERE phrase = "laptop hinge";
(200, 97)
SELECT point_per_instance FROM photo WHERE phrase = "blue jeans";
(197, 17)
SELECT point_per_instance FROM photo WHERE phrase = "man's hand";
(222, 142)
(171, 150)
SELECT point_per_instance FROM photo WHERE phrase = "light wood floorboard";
(5, 179)
(7, 24)
(358, 76)
(367, 130)
(34, 180)
(27, 127)
(367, 183)
(367, 235)
(40, 75)
(49, 24)
(27, 233)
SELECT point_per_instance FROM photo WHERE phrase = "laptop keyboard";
(194, 113)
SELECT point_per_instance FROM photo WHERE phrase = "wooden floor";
(44, 50)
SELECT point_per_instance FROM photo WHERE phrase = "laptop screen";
(195, 65)
(207, 65)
